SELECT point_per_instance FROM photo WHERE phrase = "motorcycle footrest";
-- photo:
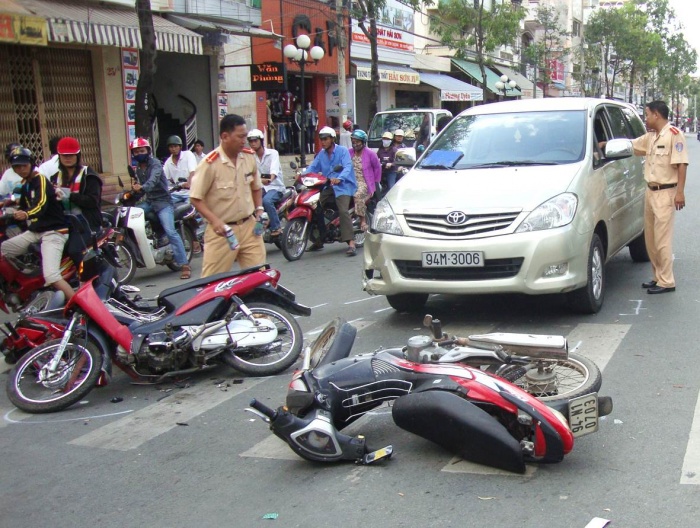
(370, 458)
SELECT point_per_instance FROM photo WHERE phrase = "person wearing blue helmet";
(368, 173)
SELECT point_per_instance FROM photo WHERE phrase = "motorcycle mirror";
(119, 180)
(293, 165)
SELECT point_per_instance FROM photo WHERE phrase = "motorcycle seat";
(182, 209)
(286, 194)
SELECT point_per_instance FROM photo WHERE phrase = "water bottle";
(231, 237)
(259, 228)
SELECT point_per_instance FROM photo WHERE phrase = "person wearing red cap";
(76, 184)
(345, 134)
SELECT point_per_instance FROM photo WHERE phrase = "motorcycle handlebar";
(270, 413)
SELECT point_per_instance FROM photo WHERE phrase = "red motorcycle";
(21, 280)
(283, 206)
(193, 327)
(304, 219)
(482, 417)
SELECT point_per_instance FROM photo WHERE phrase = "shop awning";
(392, 73)
(452, 89)
(107, 26)
(200, 24)
(472, 69)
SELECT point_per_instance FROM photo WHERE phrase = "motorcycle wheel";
(127, 262)
(293, 240)
(277, 240)
(275, 357)
(359, 234)
(77, 374)
(556, 382)
(318, 350)
(188, 238)
(39, 303)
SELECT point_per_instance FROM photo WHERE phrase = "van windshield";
(524, 138)
(407, 121)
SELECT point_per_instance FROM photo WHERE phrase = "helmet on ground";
(387, 135)
(398, 132)
(67, 146)
(174, 140)
(325, 132)
(347, 125)
(9, 148)
(140, 142)
(359, 134)
(256, 134)
(21, 156)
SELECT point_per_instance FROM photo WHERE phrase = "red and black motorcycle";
(480, 416)
(193, 327)
(304, 219)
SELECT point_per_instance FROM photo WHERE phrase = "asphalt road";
(129, 463)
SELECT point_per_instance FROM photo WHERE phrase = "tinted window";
(635, 122)
(523, 137)
(408, 121)
(618, 123)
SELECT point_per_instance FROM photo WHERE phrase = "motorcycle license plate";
(583, 414)
(453, 259)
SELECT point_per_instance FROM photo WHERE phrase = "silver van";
(513, 197)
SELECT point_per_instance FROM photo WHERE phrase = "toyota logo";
(456, 218)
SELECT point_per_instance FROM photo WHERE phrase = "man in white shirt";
(50, 166)
(10, 179)
(270, 170)
(180, 164)
(198, 150)
(345, 133)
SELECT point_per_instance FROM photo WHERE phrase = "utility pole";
(341, 35)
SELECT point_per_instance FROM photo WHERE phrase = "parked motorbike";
(193, 327)
(138, 243)
(436, 394)
(22, 285)
(302, 225)
(283, 206)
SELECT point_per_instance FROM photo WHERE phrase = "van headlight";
(384, 220)
(556, 212)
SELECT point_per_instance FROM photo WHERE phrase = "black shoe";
(316, 247)
(660, 289)
(650, 284)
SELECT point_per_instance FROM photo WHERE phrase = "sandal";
(351, 252)
(186, 272)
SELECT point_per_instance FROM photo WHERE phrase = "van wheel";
(589, 299)
(407, 302)
(638, 249)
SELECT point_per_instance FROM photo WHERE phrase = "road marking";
(362, 300)
(272, 447)
(25, 421)
(598, 342)
(691, 462)
(144, 425)
(458, 465)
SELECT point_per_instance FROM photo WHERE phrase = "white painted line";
(24, 418)
(598, 342)
(383, 309)
(691, 462)
(319, 305)
(369, 298)
(144, 425)
(272, 447)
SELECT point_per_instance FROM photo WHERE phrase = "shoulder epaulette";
(674, 131)
(212, 156)
(248, 150)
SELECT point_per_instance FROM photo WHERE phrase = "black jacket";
(38, 199)
(89, 198)
(155, 184)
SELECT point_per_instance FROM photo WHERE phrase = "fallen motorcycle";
(480, 416)
(193, 327)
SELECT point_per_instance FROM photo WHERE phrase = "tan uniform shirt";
(662, 151)
(225, 187)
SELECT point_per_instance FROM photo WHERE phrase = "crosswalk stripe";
(690, 474)
(144, 425)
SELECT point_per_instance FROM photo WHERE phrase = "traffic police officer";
(664, 171)
(227, 191)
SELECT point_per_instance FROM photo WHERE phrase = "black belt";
(242, 221)
(660, 187)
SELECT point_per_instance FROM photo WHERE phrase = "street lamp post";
(506, 84)
(299, 55)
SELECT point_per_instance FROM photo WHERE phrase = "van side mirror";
(618, 149)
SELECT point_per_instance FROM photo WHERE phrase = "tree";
(144, 86)
(549, 46)
(464, 24)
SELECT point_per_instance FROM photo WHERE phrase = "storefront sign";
(130, 74)
(394, 27)
(267, 76)
(21, 29)
(388, 75)
(447, 95)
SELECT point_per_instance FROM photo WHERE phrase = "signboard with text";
(267, 76)
(23, 29)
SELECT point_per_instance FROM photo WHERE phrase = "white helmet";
(256, 134)
(326, 131)
(398, 132)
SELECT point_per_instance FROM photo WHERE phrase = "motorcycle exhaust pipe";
(530, 345)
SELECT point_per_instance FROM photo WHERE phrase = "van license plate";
(453, 259)
(583, 414)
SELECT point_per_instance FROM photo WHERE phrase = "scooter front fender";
(459, 426)
(136, 224)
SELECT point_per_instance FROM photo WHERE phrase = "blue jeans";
(390, 179)
(167, 220)
(268, 203)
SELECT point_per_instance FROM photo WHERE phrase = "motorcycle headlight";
(555, 212)
(319, 438)
(384, 220)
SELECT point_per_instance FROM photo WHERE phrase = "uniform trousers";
(659, 213)
(218, 256)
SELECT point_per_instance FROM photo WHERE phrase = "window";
(576, 28)
(635, 122)
(618, 123)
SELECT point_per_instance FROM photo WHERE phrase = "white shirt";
(49, 167)
(199, 157)
(10, 179)
(186, 163)
(270, 164)
(345, 139)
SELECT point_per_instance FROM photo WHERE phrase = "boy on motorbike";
(151, 180)
(268, 161)
(39, 206)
